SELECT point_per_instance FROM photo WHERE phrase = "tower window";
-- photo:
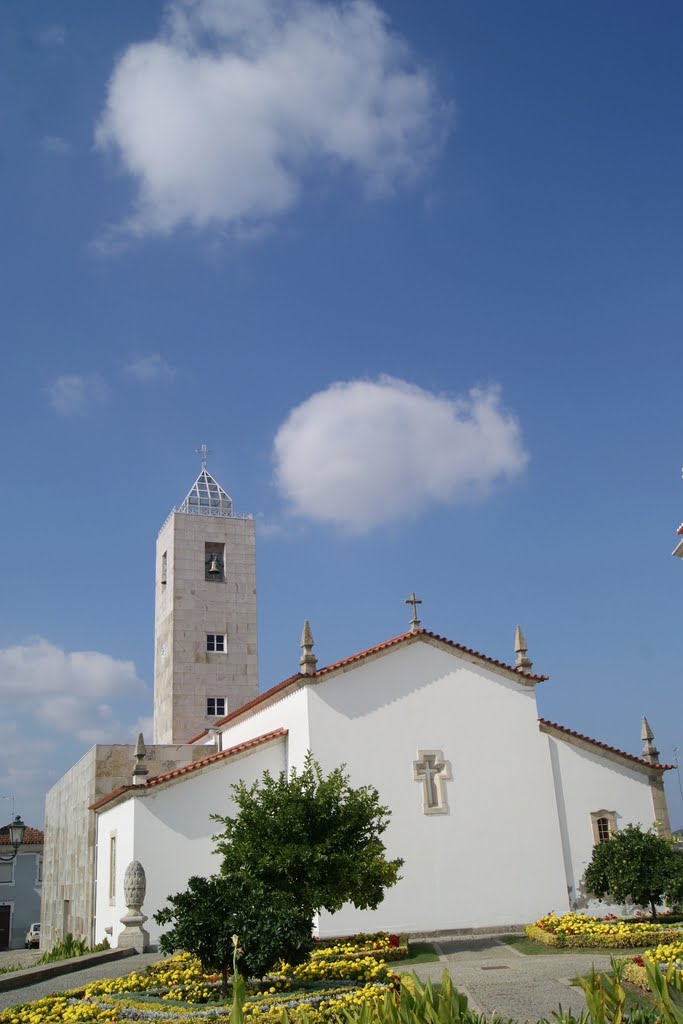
(216, 707)
(214, 562)
(215, 642)
(164, 567)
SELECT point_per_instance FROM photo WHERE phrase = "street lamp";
(16, 837)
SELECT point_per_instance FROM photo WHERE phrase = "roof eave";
(577, 739)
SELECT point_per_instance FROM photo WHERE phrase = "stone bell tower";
(205, 657)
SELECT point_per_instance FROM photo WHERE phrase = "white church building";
(494, 810)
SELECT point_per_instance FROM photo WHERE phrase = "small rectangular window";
(604, 825)
(164, 566)
(112, 869)
(216, 706)
(39, 870)
(603, 830)
(7, 873)
(215, 642)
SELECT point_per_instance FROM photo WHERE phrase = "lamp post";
(16, 838)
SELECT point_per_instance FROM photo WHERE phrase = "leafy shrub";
(207, 915)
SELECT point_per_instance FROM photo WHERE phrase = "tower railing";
(184, 510)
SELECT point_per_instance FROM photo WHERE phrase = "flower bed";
(337, 977)
(582, 932)
(667, 954)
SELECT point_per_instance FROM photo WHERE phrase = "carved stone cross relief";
(432, 770)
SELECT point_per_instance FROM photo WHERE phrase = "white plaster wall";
(288, 713)
(172, 831)
(588, 781)
(119, 820)
(496, 857)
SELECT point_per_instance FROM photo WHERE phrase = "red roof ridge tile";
(111, 795)
(606, 746)
(300, 677)
(192, 766)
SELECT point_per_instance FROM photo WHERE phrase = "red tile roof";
(605, 746)
(680, 529)
(32, 836)
(191, 766)
(434, 636)
(301, 679)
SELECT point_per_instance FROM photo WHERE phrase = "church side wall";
(170, 832)
(586, 782)
(495, 857)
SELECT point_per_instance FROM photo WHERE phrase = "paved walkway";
(499, 979)
(22, 958)
(495, 977)
(114, 969)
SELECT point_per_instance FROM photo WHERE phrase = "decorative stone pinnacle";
(308, 661)
(650, 752)
(414, 622)
(522, 662)
(134, 935)
(140, 770)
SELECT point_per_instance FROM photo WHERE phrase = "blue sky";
(412, 272)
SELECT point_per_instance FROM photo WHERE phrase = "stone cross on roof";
(414, 622)
(203, 452)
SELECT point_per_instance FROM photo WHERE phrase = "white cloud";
(56, 145)
(55, 704)
(150, 368)
(222, 117)
(39, 670)
(72, 394)
(364, 453)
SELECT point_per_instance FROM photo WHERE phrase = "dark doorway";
(5, 914)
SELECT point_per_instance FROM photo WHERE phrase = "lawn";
(420, 953)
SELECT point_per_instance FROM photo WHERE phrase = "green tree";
(312, 837)
(204, 918)
(636, 866)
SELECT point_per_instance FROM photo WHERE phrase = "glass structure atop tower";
(206, 498)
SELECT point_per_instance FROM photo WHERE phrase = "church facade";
(494, 810)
